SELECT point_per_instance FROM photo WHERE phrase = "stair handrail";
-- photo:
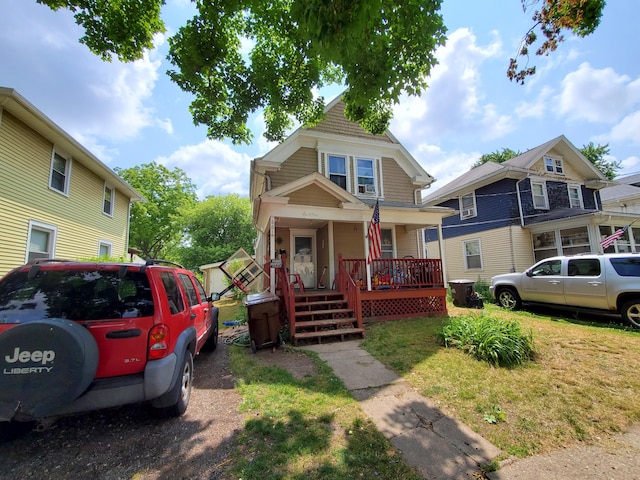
(347, 286)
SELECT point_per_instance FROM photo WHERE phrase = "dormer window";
(468, 206)
(338, 170)
(366, 178)
(553, 165)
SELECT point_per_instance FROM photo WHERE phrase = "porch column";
(332, 263)
(365, 229)
(272, 250)
(442, 256)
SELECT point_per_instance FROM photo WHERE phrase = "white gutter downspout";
(520, 200)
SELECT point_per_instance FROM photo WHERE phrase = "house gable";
(368, 166)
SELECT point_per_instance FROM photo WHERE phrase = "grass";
(303, 429)
(581, 385)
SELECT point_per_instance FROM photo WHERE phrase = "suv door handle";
(554, 282)
(206, 310)
(594, 283)
(193, 316)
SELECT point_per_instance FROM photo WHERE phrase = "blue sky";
(130, 114)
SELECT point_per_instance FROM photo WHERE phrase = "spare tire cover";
(45, 365)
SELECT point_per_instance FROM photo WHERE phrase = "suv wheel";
(631, 313)
(53, 362)
(508, 298)
(182, 388)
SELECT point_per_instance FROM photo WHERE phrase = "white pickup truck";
(603, 282)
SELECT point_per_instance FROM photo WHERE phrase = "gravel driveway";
(129, 442)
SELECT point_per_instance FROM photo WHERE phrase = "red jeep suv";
(80, 336)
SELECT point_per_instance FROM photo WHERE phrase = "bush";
(499, 342)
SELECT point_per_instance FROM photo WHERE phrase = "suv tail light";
(159, 341)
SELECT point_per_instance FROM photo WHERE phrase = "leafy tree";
(157, 225)
(215, 228)
(581, 17)
(497, 157)
(376, 49)
(124, 28)
(597, 154)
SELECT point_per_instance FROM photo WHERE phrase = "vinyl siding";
(25, 160)
(570, 173)
(407, 243)
(303, 162)
(348, 239)
(314, 196)
(397, 184)
(503, 250)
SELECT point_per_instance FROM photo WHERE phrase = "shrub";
(499, 342)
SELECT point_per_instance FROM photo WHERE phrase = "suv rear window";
(627, 267)
(74, 295)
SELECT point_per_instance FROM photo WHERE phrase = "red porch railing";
(346, 285)
(389, 273)
(400, 287)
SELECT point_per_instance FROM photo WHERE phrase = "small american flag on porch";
(375, 247)
(607, 242)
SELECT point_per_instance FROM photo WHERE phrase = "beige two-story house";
(313, 196)
(56, 198)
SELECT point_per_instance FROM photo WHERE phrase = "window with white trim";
(366, 176)
(539, 194)
(41, 241)
(104, 249)
(575, 196)
(338, 170)
(472, 254)
(468, 206)
(59, 176)
(553, 165)
(107, 204)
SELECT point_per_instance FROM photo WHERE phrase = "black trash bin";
(464, 295)
(263, 319)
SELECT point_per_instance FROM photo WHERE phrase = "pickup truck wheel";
(631, 313)
(509, 299)
(182, 388)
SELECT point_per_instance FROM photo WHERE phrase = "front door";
(303, 260)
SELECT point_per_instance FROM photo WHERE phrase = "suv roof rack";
(157, 261)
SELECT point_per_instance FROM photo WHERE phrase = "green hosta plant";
(500, 342)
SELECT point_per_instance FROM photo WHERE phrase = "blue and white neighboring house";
(542, 203)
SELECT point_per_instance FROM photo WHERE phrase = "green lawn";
(581, 385)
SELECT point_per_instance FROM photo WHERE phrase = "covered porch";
(396, 288)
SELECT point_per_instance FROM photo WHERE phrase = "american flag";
(375, 248)
(608, 241)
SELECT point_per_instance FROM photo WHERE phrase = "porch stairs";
(321, 314)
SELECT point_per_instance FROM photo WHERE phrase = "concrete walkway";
(438, 446)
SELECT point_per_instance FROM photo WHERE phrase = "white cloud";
(538, 107)
(213, 166)
(90, 98)
(627, 130)
(444, 166)
(597, 95)
(452, 100)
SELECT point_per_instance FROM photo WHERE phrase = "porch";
(387, 289)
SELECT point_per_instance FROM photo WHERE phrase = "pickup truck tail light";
(159, 342)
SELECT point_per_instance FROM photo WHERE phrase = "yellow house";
(57, 200)
(313, 197)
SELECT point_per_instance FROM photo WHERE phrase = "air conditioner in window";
(469, 212)
(370, 189)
